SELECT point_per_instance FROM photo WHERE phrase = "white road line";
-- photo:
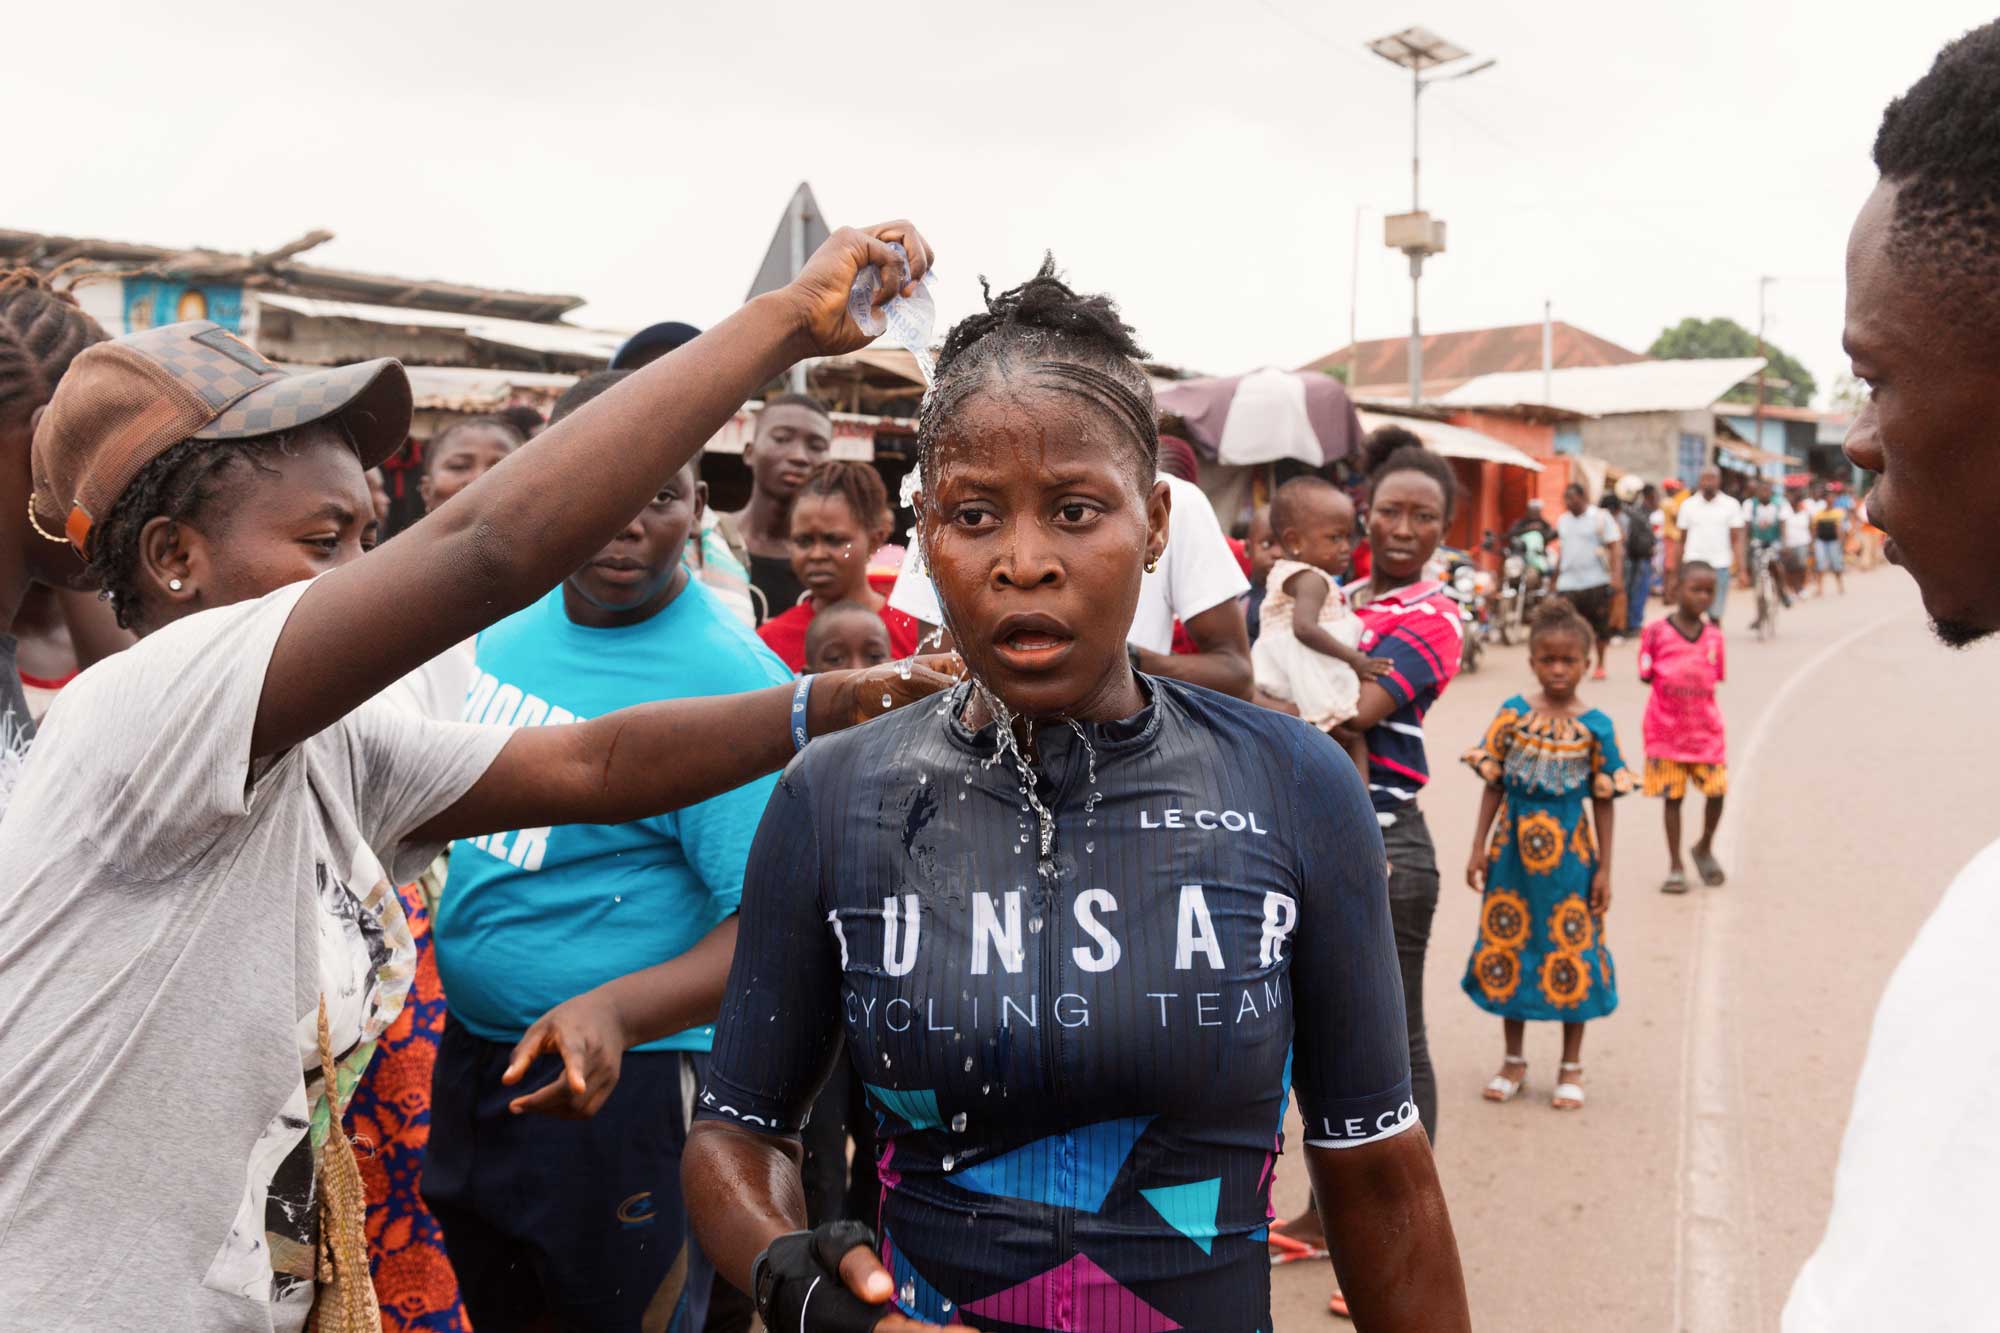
(1716, 1283)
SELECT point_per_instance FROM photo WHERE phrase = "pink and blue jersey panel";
(1418, 629)
(1081, 1066)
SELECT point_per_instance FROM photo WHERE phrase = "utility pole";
(1354, 305)
(1763, 286)
(1416, 233)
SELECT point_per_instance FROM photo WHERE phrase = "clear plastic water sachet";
(904, 321)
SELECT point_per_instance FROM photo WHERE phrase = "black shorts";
(575, 1224)
(1594, 605)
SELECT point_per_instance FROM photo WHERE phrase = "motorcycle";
(1472, 588)
(1522, 585)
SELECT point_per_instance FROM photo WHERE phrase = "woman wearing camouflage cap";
(199, 941)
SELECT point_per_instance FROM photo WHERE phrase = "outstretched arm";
(644, 761)
(531, 521)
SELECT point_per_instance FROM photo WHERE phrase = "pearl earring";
(173, 585)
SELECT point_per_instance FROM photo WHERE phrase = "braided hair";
(1558, 615)
(183, 485)
(1393, 449)
(41, 331)
(1080, 342)
(857, 483)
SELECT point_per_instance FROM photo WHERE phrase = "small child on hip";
(1541, 857)
(1681, 657)
(1307, 653)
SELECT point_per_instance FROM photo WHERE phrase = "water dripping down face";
(1039, 515)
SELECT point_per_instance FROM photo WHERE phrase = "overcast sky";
(1201, 162)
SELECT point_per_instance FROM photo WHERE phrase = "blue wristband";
(799, 694)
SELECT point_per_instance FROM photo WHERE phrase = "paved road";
(1689, 1191)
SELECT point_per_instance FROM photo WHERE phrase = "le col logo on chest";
(1229, 821)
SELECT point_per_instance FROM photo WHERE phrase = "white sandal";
(1569, 1095)
(1502, 1088)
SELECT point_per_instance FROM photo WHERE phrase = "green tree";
(1785, 379)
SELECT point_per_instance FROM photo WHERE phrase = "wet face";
(466, 455)
(1930, 428)
(640, 568)
(790, 439)
(300, 511)
(1697, 592)
(1262, 546)
(851, 638)
(1558, 658)
(1711, 482)
(1322, 533)
(1037, 528)
(830, 547)
(1406, 517)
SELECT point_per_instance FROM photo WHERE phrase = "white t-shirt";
(437, 689)
(1798, 526)
(1196, 571)
(1707, 527)
(1916, 1199)
(170, 917)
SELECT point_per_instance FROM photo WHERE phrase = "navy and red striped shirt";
(1417, 627)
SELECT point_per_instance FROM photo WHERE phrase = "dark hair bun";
(1045, 301)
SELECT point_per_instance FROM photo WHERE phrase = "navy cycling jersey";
(1080, 1066)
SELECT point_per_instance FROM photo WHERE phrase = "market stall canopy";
(1601, 391)
(1441, 437)
(1266, 415)
(1756, 459)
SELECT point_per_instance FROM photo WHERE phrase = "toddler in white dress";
(1306, 654)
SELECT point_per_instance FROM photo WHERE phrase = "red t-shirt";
(785, 634)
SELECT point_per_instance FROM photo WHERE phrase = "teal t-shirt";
(538, 916)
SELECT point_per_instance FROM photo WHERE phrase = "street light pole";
(1415, 233)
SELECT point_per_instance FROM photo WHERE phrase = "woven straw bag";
(344, 1299)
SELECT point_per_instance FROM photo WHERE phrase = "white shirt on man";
(1916, 1198)
(1197, 571)
(1708, 528)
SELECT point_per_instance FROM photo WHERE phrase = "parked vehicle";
(1472, 588)
(1522, 586)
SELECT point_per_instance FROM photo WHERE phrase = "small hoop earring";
(1152, 564)
(173, 585)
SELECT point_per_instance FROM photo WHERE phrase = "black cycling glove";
(797, 1284)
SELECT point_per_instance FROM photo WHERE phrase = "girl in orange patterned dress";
(1542, 861)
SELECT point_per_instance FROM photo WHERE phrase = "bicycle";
(1766, 573)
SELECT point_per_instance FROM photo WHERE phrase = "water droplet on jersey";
(985, 1089)
(1091, 822)
(950, 1161)
(1034, 925)
(968, 779)
(908, 1295)
(968, 1064)
(961, 796)
(923, 778)
(903, 668)
(1089, 847)
(958, 1123)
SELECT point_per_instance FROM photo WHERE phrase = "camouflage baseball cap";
(124, 403)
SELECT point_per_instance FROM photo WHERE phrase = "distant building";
(1381, 365)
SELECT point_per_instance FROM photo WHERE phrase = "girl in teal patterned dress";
(1542, 863)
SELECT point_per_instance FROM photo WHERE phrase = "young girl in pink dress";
(1680, 656)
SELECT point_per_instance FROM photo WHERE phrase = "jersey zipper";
(1063, 1160)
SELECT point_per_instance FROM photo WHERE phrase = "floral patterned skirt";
(390, 1120)
(1541, 951)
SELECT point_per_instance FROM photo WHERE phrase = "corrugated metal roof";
(1644, 386)
(565, 339)
(1442, 437)
(1450, 359)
